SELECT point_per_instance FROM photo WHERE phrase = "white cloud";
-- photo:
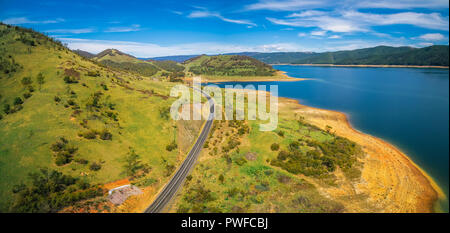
(301, 34)
(295, 5)
(132, 28)
(207, 14)
(71, 31)
(403, 4)
(318, 33)
(154, 50)
(430, 21)
(25, 20)
(424, 44)
(307, 14)
(334, 37)
(431, 37)
(289, 5)
(324, 22)
(354, 21)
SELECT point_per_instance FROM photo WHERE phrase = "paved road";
(175, 183)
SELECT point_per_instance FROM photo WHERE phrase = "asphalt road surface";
(171, 188)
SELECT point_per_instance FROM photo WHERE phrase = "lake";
(408, 107)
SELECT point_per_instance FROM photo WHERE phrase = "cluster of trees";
(133, 166)
(51, 191)
(198, 198)
(171, 66)
(8, 65)
(232, 65)
(92, 134)
(322, 159)
(145, 69)
(64, 152)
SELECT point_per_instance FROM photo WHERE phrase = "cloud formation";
(71, 31)
(25, 20)
(432, 37)
(208, 14)
(355, 21)
(132, 28)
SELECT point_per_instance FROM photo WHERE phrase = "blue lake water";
(408, 107)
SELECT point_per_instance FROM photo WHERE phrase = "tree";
(40, 80)
(275, 147)
(132, 163)
(7, 108)
(221, 178)
(18, 101)
(26, 81)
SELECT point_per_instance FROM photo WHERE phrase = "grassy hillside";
(381, 55)
(84, 53)
(228, 65)
(62, 112)
(242, 169)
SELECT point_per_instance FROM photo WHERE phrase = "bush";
(70, 80)
(93, 73)
(280, 133)
(82, 161)
(6, 108)
(27, 95)
(57, 99)
(274, 146)
(172, 146)
(95, 166)
(18, 101)
(26, 81)
(105, 135)
(91, 134)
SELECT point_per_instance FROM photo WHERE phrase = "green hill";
(79, 122)
(228, 65)
(381, 55)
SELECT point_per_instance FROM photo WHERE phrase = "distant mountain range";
(436, 55)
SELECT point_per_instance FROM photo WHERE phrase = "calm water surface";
(408, 107)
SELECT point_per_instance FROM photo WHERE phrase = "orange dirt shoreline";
(392, 181)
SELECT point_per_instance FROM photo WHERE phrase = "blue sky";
(176, 27)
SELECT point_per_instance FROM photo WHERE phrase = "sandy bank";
(280, 76)
(391, 182)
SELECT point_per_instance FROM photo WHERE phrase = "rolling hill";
(67, 121)
(381, 55)
(228, 65)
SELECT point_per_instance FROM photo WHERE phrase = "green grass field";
(27, 135)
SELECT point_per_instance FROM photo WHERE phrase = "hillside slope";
(381, 55)
(64, 113)
(228, 65)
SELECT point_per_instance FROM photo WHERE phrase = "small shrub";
(26, 81)
(6, 108)
(82, 161)
(172, 146)
(18, 101)
(91, 134)
(95, 166)
(280, 133)
(275, 147)
(105, 135)
(57, 99)
(30, 88)
(27, 95)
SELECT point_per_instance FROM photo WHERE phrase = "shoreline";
(280, 77)
(422, 203)
(374, 66)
